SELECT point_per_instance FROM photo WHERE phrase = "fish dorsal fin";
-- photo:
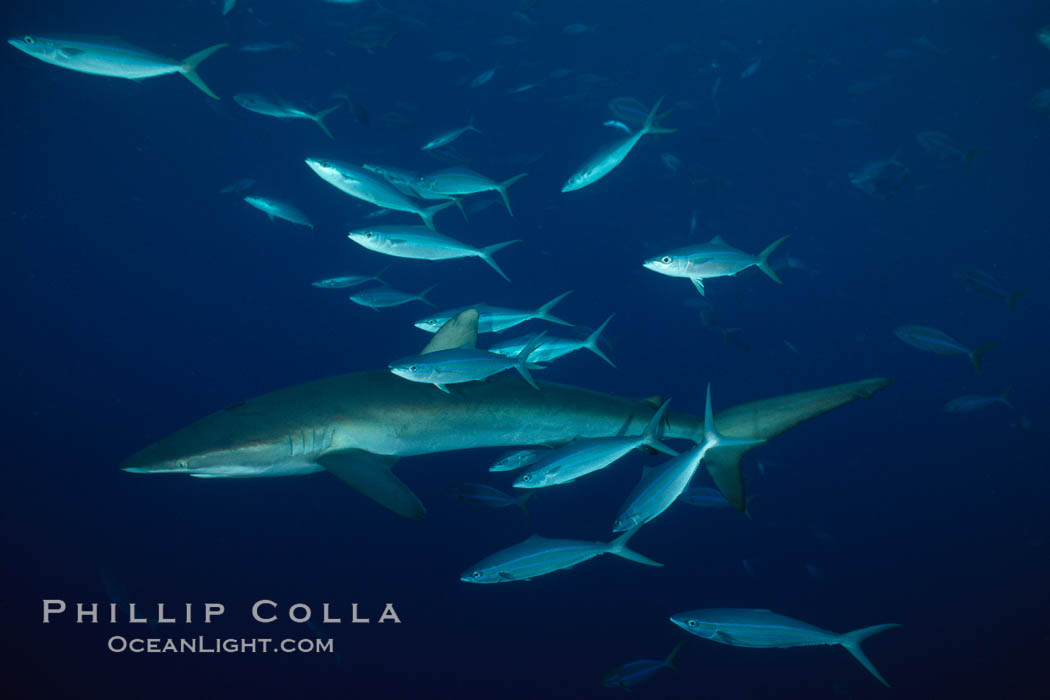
(372, 476)
(718, 239)
(460, 331)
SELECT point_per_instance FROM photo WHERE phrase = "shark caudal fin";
(373, 477)
(651, 435)
(851, 642)
(487, 252)
(427, 215)
(763, 259)
(319, 119)
(544, 312)
(523, 360)
(592, 341)
(502, 189)
(978, 354)
(765, 419)
(619, 548)
(460, 331)
(649, 128)
(189, 68)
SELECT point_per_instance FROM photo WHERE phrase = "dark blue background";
(137, 299)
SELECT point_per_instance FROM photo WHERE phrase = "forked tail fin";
(319, 119)
(619, 548)
(851, 641)
(544, 312)
(189, 68)
(763, 259)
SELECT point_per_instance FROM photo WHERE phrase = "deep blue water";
(136, 299)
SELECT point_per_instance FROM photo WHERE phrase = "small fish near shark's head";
(414, 369)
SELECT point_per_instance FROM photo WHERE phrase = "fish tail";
(544, 312)
(428, 214)
(319, 119)
(189, 68)
(669, 661)
(648, 127)
(471, 127)
(487, 251)
(713, 438)
(1011, 300)
(378, 277)
(423, 295)
(978, 354)
(1002, 397)
(592, 341)
(523, 360)
(502, 189)
(651, 435)
(763, 259)
(851, 641)
(619, 548)
(462, 209)
(524, 501)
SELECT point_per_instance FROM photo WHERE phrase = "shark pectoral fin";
(724, 467)
(373, 477)
(460, 331)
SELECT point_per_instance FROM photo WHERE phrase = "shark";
(357, 426)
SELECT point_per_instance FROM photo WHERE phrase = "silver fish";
(764, 629)
(420, 243)
(716, 258)
(517, 459)
(553, 347)
(458, 365)
(382, 298)
(279, 209)
(933, 340)
(587, 455)
(537, 556)
(345, 281)
(371, 187)
(112, 57)
(495, 318)
(976, 402)
(608, 157)
(450, 136)
(281, 108)
(637, 672)
(462, 181)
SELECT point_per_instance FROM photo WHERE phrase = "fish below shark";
(356, 426)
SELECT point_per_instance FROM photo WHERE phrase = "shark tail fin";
(544, 312)
(1011, 300)
(652, 434)
(669, 661)
(523, 359)
(487, 252)
(763, 259)
(189, 68)
(978, 354)
(319, 119)
(592, 341)
(649, 126)
(619, 548)
(502, 189)
(428, 214)
(851, 641)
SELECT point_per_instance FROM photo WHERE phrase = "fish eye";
(526, 477)
(666, 260)
(369, 234)
(28, 39)
(476, 574)
(692, 623)
(413, 368)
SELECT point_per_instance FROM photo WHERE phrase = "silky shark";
(356, 426)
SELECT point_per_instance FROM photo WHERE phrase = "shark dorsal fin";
(460, 331)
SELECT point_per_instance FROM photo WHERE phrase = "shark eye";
(28, 39)
(666, 260)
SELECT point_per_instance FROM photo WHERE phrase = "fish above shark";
(356, 426)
